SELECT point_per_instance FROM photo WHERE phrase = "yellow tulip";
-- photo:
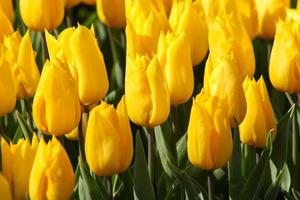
(228, 36)
(108, 142)
(6, 161)
(174, 56)
(4, 189)
(112, 12)
(269, 12)
(213, 8)
(7, 87)
(260, 117)
(188, 17)
(73, 135)
(146, 91)
(7, 6)
(21, 57)
(42, 14)
(146, 22)
(89, 2)
(56, 106)
(52, 175)
(79, 48)
(284, 70)
(22, 155)
(292, 14)
(221, 79)
(168, 5)
(6, 27)
(209, 141)
(72, 3)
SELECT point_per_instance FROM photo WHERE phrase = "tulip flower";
(6, 27)
(209, 141)
(79, 48)
(228, 36)
(147, 21)
(284, 70)
(4, 189)
(174, 56)
(52, 175)
(269, 12)
(7, 7)
(112, 12)
(42, 14)
(89, 2)
(7, 87)
(56, 106)
(6, 161)
(21, 57)
(213, 8)
(72, 3)
(73, 135)
(292, 14)
(260, 118)
(168, 5)
(146, 91)
(188, 17)
(221, 79)
(108, 141)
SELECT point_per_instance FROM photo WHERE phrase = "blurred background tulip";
(56, 106)
(7, 7)
(6, 26)
(145, 81)
(209, 143)
(108, 144)
(52, 175)
(260, 117)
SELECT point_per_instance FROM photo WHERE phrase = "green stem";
(29, 116)
(211, 185)
(175, 121)
(249, 159)
(150, 137)
(69, 20)
(234, 167)
(44, 47)
(81, 141)
(110, 192)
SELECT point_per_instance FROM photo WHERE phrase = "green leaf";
(27, 132)
(181, 148)
(18, 135)
(143, 189)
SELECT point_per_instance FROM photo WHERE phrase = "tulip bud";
(145, 81)
(209, 141)
(183, 17)
(22, 155)
(260, 117)
(6, 27)
(108, 141)
(4, 189)
(6, 161)
(80, 50)
(174, 56)
(52, 175)
(284, 68)
(228, 36)
(73, 135)
(221, 79)
(112, 12)
(72, 3)
(41, 14)
(147, 21)
(89, 2)
(7, 7)
(56, 107)
(21, 57)
(7, 87)
(269, 12)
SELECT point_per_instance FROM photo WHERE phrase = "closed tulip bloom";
(52, 175)
(4, 189)
(42, 14)
(7, 88)
(73, 135)
(209, 142)
(147, 21)
(6, 27)
(174, 56)
(7, 7)
(221, 79)
(72, 3)
(89, 2)
(6, 161)
(80, 50)
(284, 69)
(21, 57)
(269, 12)
(56, 106)
(108, 142)
(145, 81)
(22, 155)
(260, 117)
(112, 12)
(183, 17)
(228, 36)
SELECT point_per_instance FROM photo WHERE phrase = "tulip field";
(149, 99)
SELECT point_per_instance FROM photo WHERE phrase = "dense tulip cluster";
(178, 73)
